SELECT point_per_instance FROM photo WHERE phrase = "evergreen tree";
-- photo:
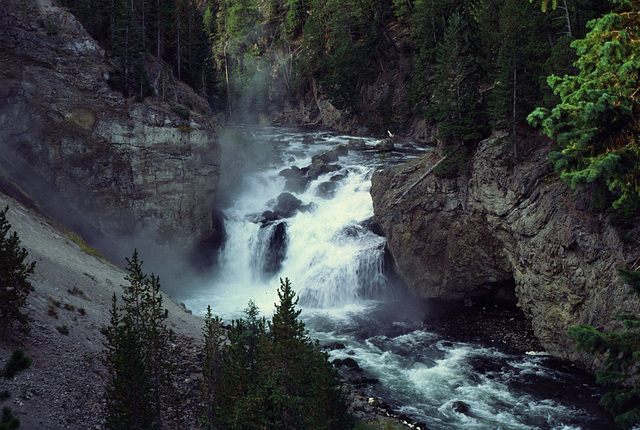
(521, 46)
(14, 278)
(296, 16)
(596, 121)
(139, 325)
(272, 375)
(304, 386)
(211, 382)
(621, 351)
(8, 421)
(127, 394)
(127, 47)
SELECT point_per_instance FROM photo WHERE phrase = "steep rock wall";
(135, 169)
(502, 225)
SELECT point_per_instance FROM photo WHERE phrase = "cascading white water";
(336, 265)
(331, 258)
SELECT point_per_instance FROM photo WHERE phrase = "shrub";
(64, 329)
(182, 111)
(75, 291)
(8, 421)
(19, 361)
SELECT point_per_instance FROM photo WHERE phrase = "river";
(336, 263)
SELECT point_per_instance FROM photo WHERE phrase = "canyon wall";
(504, 225)
(133, 169)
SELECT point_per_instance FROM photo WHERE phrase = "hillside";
(63, 388)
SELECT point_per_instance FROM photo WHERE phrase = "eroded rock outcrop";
(136, 169)
(503, 225)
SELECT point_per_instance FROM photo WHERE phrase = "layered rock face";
(135, 169)
(504, 226)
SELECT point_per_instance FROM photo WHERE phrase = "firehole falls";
(314, 226)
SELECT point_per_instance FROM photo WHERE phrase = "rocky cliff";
(504, 229)
(132, 169)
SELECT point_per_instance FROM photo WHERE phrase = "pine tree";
(273, 376)
(14, 278)
(139, 324)
(596, 122)
(455, 103)
(211, 382)
(304, 388)
(621, 351)
(296, 16)
(8, 421)
(127, 394)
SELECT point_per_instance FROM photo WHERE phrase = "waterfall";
(326, 246)
(326, 249)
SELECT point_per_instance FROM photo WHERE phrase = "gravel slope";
(63, 388)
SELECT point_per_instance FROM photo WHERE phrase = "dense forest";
(468, 66)
(479, 62)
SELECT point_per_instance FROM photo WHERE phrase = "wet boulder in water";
(346, 362)
(319, 167)
(337, 178)
(357, 144)
(291, 172)
(296, 179)
(334, 345)
(277, 249)
(461, 407)
(385, 145)
(373, 227)
(327, 190)
(268, 216)
(326, 157)
(287, 205)
(331, 156)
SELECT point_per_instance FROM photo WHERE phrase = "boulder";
(327, 190)
(357, 144)
(276, 250)
(461, 407)
(385, 145)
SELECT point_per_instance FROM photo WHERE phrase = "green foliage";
(214, 341)
(596, 122)
(621, 352)
(270, 374)
(18, 362)
(296, 17)
(456, 164)
(183, 111)
(455, 104)
(8, 421)
(14, 278)
(138, 342)
(63, 329)
(341, 44)
(128, 400)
